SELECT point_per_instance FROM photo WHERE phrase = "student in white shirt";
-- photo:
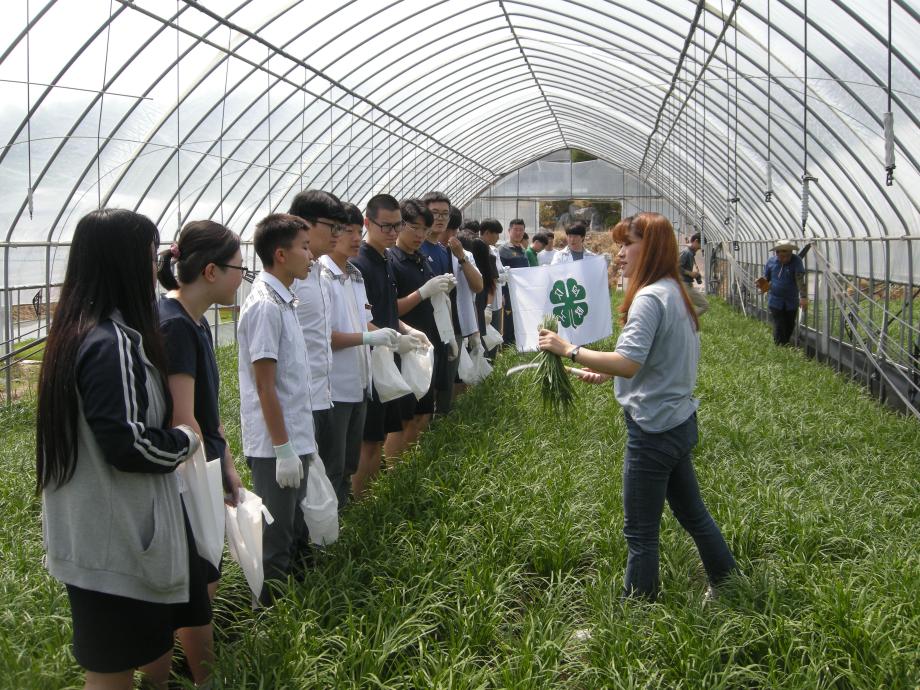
(575, 244)
(325, 217)
(277, 422)
(352, 335)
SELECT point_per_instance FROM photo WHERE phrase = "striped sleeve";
(112, 383)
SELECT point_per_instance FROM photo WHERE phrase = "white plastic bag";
(320, 506)
(387, 380)
(244, 537)
(417, 370)
(440, 304)
(465, 369)
(492, 338)
(480, 363)
(203, 495)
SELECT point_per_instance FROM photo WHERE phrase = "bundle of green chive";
(556, 388)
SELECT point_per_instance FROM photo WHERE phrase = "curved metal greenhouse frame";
(226, 108)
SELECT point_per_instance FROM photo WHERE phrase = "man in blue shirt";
(784, 277)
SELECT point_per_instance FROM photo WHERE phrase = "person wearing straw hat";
(784, 279)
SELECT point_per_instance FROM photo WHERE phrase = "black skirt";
(112, 633)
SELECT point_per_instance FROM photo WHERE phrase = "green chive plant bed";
(477, 559)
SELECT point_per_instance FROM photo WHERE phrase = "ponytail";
(165, 274)
(200, 243)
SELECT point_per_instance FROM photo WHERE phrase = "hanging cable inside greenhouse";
(889, 118)
(303, 124)
(105, 71)
(807, 179)
(223, 113)
(735, 198)
(178, 128)
(768, 192)
(29, 201)
(268, 120)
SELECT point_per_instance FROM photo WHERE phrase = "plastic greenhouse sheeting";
(225, 109)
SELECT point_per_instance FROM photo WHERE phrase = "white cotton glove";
(193, 441)
(386, 337)
(487, 314)
(407, 343)
(453, 350)
(503, 273)
(418, 334)
(442, 284)
(476, 344)
(288, 467)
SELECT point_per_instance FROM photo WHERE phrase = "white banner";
(576, 293)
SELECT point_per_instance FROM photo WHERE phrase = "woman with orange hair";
(654, 367)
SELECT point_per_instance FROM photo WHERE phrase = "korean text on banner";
(576, 293)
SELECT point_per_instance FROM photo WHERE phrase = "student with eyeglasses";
(202, 268)
(325, 217)
(383, 423)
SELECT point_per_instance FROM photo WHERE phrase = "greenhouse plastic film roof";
(184, 109)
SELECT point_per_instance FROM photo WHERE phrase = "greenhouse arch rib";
(844, 199)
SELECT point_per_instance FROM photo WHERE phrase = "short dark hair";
(353, 215)
(517, 221)
(312, 204)
(275, 231)
(526, 236)
(381, 202)
(432, 197)
(456, 217)
(200, 243)
(415, 210)
(541, 237)
(695, 237)
(471, 225)
(490, 225)
(577, 228)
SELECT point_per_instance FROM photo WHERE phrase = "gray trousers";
(346, 426)
(287, 535)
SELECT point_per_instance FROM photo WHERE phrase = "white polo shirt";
(268, 329)
(313, 313)
(545, 258)
(349, 313)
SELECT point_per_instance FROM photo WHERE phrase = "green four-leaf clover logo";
(570, 296)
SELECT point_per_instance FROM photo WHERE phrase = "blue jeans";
(658, 467)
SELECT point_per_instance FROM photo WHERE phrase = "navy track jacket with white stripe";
(117, 526)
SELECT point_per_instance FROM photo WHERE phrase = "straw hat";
(784, 245)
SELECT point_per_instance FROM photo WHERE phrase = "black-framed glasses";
(244, 269)
(335, 228)
(389, 227)
(440, 215)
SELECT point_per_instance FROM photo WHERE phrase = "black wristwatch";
(574, 353)
(461, 260)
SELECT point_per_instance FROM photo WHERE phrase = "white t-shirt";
(545, 258)
(268, 329)
(349, 313)
(313, 313)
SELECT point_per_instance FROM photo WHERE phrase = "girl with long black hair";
(202, 268)
(114, 528)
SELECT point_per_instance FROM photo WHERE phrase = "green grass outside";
(478, 557)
